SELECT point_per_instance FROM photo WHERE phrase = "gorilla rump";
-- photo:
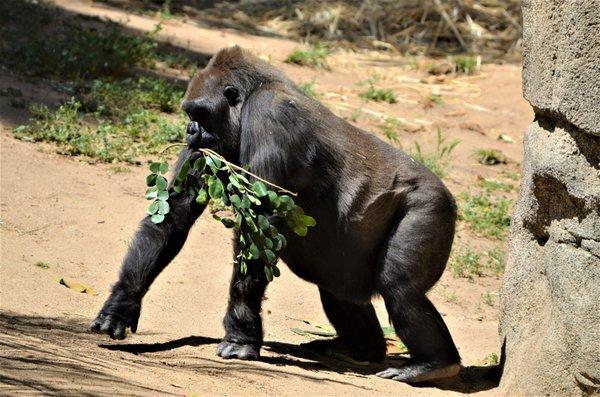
(385, 223)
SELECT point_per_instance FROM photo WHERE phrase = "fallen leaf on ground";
(75, 286)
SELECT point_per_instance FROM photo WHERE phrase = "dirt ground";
(79, 218)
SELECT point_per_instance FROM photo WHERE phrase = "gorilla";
(385, 223)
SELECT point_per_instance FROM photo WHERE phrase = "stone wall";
(550, 300)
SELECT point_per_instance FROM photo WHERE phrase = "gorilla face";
(213, 103)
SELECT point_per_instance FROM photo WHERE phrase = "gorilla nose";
(196, 109)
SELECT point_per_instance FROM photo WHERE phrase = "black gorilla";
(385, 223)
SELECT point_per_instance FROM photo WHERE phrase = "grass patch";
(308, 88)
(496, 261)
(491, 185)
(438, 161)
(111, 115)
(42, 265)
(390, 129)
(37, 42)
(376, 94)
(491, 359)
(486, 214)
(465, 262)
(490, 157)
(316, 56)
(465, 64)
(488, 298)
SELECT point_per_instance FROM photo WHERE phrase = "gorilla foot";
(413, 372)
(236, 350)
(326, 347)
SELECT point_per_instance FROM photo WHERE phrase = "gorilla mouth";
(198, 137)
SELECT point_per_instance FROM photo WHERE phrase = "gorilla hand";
(119, 312)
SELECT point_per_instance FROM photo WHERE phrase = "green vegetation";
(40, 43)
(491, 359)
(490, 157)
(464, 64)
(377, 94)
(42, 265)
(308, 88)
(487, 215)
(390, 129)
(252, 205)
(465, 262)
(491, 185)
(438, 161)
(488, 298)
(109, 115)
(316, 56)
(496, 260)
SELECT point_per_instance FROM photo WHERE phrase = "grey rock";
(561, 59)
(550, 299)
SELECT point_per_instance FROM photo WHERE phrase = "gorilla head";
(216, 95)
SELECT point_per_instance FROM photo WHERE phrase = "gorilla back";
(385, 223)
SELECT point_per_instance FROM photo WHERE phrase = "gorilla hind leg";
(357, 327)
(412, 261)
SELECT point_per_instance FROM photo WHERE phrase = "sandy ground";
(79, 218)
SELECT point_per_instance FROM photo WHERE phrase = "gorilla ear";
(232, 95)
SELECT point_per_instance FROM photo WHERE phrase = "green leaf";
(270, 256)
(253, 200)
(213, 162)
(228, 222)
(161, 183)
(162, 195)
(185, 167)
(307, 220)
(235, 181)
(155, 168)
(199, 164)
(263, 222)
(202, 197)
(243, 267)
(300, 230)
(151, 193)
(151, 179)
(215, 188)
(254, 252)
(235, 200)
(153, 208)
(163, 167)
(260, 189)
(177, 188)
(269, 273)
(276, 271)
(245, 202)
(157, 218)
(273, 199)
(286, 203)
(268, 243)
(281, 237)
(163, 207)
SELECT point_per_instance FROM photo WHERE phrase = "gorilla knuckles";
(385, 223)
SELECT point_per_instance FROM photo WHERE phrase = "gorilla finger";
(107, 325)
(118, 332)
(389, 373)
(96, 324)
(134, 324)
(247, 352)
(228, 351)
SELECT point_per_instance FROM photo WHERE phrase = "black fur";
(385, 223)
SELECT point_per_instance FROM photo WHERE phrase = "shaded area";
(470, 380)
(432, 27)
(45, 355)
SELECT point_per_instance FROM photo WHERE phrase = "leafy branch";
(255, 208)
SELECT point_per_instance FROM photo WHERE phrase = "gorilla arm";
(152, 249)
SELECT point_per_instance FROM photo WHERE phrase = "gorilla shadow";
(471, 379)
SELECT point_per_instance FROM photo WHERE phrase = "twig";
(444, 14)
(232, 165)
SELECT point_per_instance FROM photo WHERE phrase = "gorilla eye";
(232, 95)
